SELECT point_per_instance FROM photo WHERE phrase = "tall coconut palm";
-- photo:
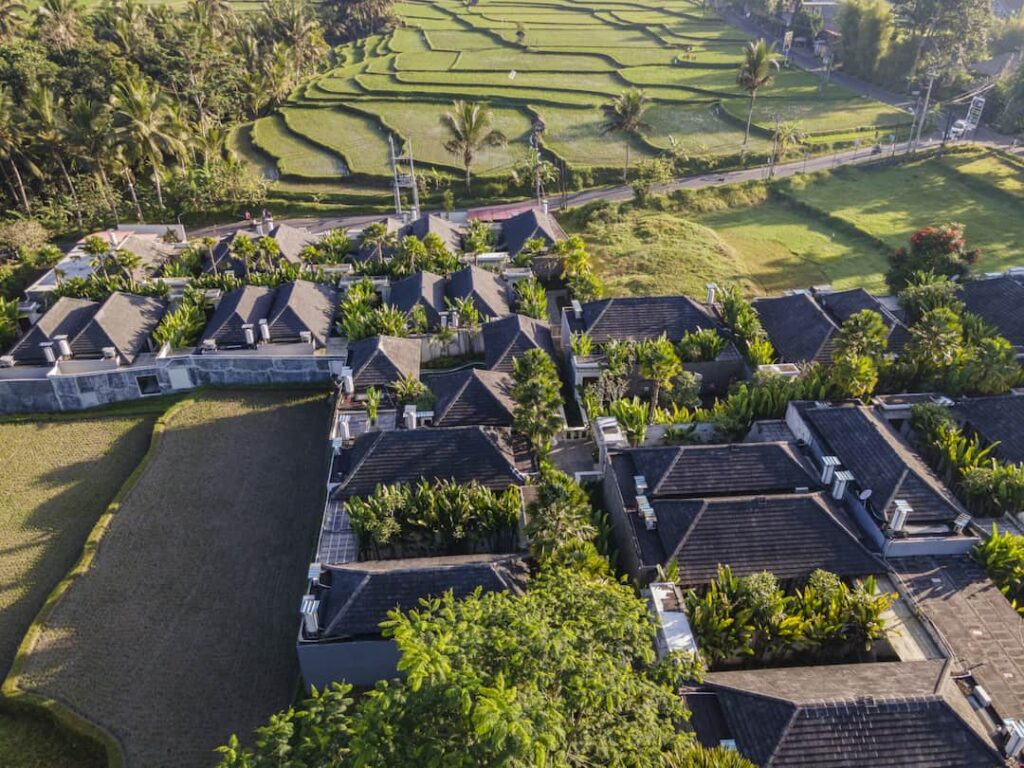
(757, 71)
(49, 124)
(469, 130)
(144, 122)
(787, 136)
(12, 142)
(625, 114)
(88, 134)
(12, 16)
(60, 23)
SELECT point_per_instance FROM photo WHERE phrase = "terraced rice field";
(556, 59)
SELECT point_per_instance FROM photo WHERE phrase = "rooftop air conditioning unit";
(209, 345)
(841, 481)
(410, 416)
(313, 574)
(6, 361)
(310, 610)
(63, 345)
(899, 515)
(829, 465)
(48, 352)
(250, 334)
(641, 484)
(109, 353)
(265, 331)
(577, 309)
(306, 337)
(1014, 737)
(961, 522)
(647, 512)
(984, 700)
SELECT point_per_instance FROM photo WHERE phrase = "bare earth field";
(182, 629)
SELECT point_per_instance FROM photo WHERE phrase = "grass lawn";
(57, 479)
(182, 629)
(892, 202)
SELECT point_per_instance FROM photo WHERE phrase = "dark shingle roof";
(644, 317)
(510, 337)
(999, 301)
(462, 454)
(879, 461)
(124, 321)
(429, 223)
(242, 306)
(997, 419)
(361, 594)
(290, 240)
(798, 328)
(487, 290)
(842, 304)
(382, 360)
(303, 306)
(467, 398)
(689, 471)
(897, 714)
(789, 535)
(423, 288)
(65, 318)
(528, 225)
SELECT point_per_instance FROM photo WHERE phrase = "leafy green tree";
(867, 27)
(560, 514)
(863, 333)
(470, 131)
(536, 390)
(531, 298)
(699, 756)
(633, 416)
(925, 291)
(756, 71)
(244, 249)
(659, 364)
(625, 114)
(935, 343)
(854, 375)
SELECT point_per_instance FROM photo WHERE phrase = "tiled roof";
(997, 419)
(689, 471)
(798, 328)
(242, 306)
(789, 535)
(423, 288)
(897, 714)
(467, 398)
(644, 317)
(511, 337)
(462, 454)
(379, 361)
(303, 306)
(65, 318)
(429, 223)
(999, 301)
(528, 225)
(290, 240)
(124, 321)
(842, 304)
(487, 290)
(361, 594)
(880, 461)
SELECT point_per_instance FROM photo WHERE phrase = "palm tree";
(469, 128)
(208, 243)
(88, 133)
(756, 72)
(60, 23)
(659, 364)
(144, 122)
(12, 141)
(625, 114)
(50, 125)
(787, 135)
(12, 16)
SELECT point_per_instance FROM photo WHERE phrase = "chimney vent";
(344, 429)
(544, 206)
(48, 352)
(647, 512)
(410, 416)
(577, 309)
(310, 610)
(109, 353)
(1014, 738)
(63, 346)
(250, 334)
(306, 337)
(210, 345)
(829, 464)
(712, 290)
(265, 330)
(6, 361)
(641, 484)
(961, 522)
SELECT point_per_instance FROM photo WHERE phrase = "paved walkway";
(985, 632)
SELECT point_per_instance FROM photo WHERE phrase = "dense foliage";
(823, 619)
(182, 325)
(577, 270)
(941, 250)
(741, 318)
(1002, 557)
(536, 389)
(443, 517)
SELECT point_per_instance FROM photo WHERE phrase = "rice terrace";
(541, 62)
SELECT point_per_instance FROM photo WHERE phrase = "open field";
(788, 240)
(560, 59)
(181, 629)
(58, 477)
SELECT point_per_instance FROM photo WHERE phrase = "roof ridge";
(453, 399)
(669, 468)
(783, 733)
(348, 603)
(819, 499)
(689, 530)
(362, 459)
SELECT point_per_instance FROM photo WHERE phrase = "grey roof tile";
(644, 317)
(512, 336)
(242, 306)
(798, 328)
(467, 398)
(487, 290)
(303, 306)
(124, 321)
(531, 224)
(999, 301)
(65, 318)
(423, 288)
(379, 361)
(996, 420)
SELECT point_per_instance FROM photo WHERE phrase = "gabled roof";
(450, 234)
(999, 301)
(379, 361)
(881, 462)
(423, 288)
(65, 318)
(487, 290)
(467, 398)
(124, 321)
(242, 306)
(528, 225)
(896, 714)
(996, 420)
(290, 240)
(690, 471)
(797, 327)
(361, 594)
(840, 305)
(462, 454)
(303, 306)
(790, 535)
(511, 337)
(644, 317)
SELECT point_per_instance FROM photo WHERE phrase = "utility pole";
(403, 173)
(924, 111)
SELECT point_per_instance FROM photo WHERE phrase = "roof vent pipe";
(250, 334)
(63, 345)
(47, 347)
(310, 610)
(544, 206)
(410, 416)
(265, 330)
(899, 515)
(577, 309)
(712, 290)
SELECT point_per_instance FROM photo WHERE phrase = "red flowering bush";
(942, 250)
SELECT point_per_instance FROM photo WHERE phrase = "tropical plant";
(625, 114)
(409, 389)
(925, 290)
(465, 310)
(633, 416)
(536, 390)
(581, 344)
(181, 326)
(480, 238)
(373, 398)
(854, 375)
(702, 345)
(741, 317)
(559, 515)
(659, 364)
(531, 298)
(756, 71)
(1001, 554)
(469, 130)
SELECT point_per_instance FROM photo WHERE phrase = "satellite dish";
(864, 495)
(512, 74)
